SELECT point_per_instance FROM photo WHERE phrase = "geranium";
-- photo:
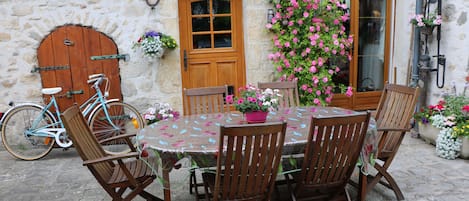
(153, 44)
(255, 99)
(426, 112)
(309, 43)
(159, 112)
(423, 21)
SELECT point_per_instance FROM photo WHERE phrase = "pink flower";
(465, 108)
(318, 92)
(313, 69)
(317, 101)
(295, 40)
(325, 79)
(287, 44)
(304, 87)
(349, 91)
(305, 14)
(229, 99)
(252, 99)
(240, 101)
(268, 26)
(295, 31)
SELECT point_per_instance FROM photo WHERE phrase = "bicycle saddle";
(50, 91)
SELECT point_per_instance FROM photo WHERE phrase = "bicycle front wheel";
(122, 119)
(20, 137)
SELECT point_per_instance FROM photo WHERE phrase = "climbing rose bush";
(309, 40)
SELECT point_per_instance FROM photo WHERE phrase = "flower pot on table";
(428, 132)
(256, 117)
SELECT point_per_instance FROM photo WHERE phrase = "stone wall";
(23, 24)
(454, 44)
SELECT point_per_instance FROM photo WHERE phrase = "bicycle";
(29, 130)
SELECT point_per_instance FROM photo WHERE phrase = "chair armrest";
(394, 129)
(111, 158)
(117, 137)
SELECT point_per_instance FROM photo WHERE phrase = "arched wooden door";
(64, 58)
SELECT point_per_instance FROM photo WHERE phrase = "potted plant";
(426, 23)
(255, 103)
(159, 112)
(450, 117)
(153, 44)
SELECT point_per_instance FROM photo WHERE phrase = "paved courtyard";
(421, 175)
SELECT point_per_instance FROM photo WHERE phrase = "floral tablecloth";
(197, 135)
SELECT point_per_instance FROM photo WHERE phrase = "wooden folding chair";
(203, 101)
(247, 164)
(395, 110)
(115, 178)
(331, 154)
(289, 90)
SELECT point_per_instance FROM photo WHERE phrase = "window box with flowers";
(153, 44)
(450, 118)
(426, 24)
(255, 103)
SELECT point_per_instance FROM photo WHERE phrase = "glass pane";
(222, 40)
(371, 33)
(371, 39)
(373, 9)
(221, 23)
(200, 7)
(343, 75)
(201, 24)
(370, 73)
(221, 7)
(201, 41)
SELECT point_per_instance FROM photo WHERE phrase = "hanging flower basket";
(427, 30)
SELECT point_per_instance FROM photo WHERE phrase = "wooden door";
(368, 71)
(212, 50)
(64, 61)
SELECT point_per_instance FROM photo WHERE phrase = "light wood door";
(368, 71)
(64, 61)
(211, 37)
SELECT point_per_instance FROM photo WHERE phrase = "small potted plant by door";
(255, 103)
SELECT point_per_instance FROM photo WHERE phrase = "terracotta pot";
(256, 117)
(428, 132)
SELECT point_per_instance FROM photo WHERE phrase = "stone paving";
(421, 175)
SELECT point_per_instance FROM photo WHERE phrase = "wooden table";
(198, 135)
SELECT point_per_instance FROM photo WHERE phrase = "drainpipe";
(415, 66)
(416, 52)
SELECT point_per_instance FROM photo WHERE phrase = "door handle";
(185, 60)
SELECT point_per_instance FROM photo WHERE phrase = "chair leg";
(290, 188)
(392, 183)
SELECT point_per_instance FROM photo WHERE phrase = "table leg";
(166, 186)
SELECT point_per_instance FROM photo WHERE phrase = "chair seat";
(138, 168)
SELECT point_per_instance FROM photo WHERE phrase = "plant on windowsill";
(254, 101)
(153, 44)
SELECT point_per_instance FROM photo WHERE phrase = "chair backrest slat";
(85, 142)
(205, 100)
(249, 164)
(289, 90)
(334, 144)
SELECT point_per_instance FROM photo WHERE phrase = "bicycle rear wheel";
(15, 137)
(124, 116)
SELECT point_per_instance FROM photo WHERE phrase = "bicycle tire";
(14, 138)
(124, 116)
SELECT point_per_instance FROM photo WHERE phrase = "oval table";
(197, 136)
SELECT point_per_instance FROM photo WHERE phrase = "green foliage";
(309, 43)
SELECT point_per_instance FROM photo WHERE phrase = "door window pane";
(222, 23)
(371, 40)
(222, 40)
(221, 7)
(200, 24)
(201, 41)
(200, 7)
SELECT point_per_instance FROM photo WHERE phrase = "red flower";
(465, 108)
